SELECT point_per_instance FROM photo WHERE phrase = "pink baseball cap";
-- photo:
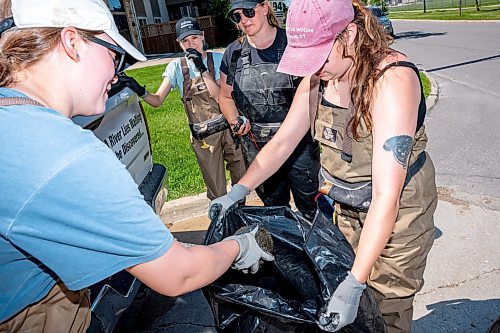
(311, 29)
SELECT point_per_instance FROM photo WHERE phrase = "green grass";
(169, 132)
(426, 84)
(486, 13)
(440, 4)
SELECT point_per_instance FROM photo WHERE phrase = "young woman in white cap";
(196, 75)
(70, 214)
(369, 123)
(252, 89)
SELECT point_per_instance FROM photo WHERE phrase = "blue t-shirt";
(174, 71)
(69, 210)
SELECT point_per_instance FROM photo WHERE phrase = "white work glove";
(343, 306)
(251, 254)
(241, 126)
(220, 205)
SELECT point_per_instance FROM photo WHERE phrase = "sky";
(115, 4)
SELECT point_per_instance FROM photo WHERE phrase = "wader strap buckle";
(245, 60)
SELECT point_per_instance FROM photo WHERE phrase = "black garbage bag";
(287, 294)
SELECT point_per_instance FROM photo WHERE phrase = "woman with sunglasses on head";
(70, 213)
(196, 75)
(255, 99)
(369, 123)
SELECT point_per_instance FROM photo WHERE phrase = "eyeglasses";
(248, 12)
(119, 58)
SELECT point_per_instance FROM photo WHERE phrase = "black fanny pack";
(208, 127)
(356, 195)
(359, 195)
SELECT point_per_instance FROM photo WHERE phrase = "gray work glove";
(197, 59)
(343, 306)
(132, 84)
(251, 254)
(219, 206)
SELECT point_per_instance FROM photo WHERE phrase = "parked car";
(123, 128)
(383, 19)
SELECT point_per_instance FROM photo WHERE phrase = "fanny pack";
(208, 127)
(356, 195)
(359, 195)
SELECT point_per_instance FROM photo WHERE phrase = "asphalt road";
(462, 290)
(463, 128)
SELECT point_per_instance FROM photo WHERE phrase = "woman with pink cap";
(368, 118)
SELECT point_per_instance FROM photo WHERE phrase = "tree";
(379, 3)
(218, 9)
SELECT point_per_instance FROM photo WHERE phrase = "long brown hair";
(371, 46)
(23, 48)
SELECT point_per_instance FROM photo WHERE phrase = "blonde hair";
(23, 48)
(272, 19)
(371, 46)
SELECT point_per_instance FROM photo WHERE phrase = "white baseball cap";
(93, 15)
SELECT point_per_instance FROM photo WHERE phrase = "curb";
(195, 206)
(184, 208)
(434, 94)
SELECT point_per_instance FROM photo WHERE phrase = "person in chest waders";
(70, 213)
(370, 124)
(258, 98)
(197, 77)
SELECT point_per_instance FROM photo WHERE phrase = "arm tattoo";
(400, 146)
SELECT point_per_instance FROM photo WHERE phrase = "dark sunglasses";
(248, 12)
(119, 58)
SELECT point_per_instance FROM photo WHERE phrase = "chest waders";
(348, 179)
(201, 109)
(264, 96)
(346, 174)
(61, 310)
(211, 140)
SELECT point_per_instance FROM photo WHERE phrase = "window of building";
(157, 19)
(142, 20)
(190, 11)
